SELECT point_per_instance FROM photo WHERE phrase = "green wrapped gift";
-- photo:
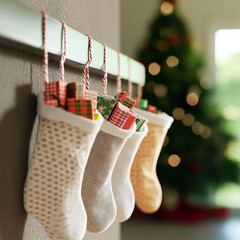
(140, 122)
(143, 103)
(105, 105)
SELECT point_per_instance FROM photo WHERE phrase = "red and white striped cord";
(139, 91)
(130, 85)
(86, 67)
(104, 80)
(119, 80)
(45, 53)
(64, 54)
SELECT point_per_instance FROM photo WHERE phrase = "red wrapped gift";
(152, 109)
(122, 98)
(119, 115)
(52, 102)
(130, 121)
(76, 90)
(83, 107)
(56, 90)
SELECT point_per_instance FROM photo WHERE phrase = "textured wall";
(20, 80)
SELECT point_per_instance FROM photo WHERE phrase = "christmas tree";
(192, 161)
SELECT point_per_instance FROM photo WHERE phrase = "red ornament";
(174, 40)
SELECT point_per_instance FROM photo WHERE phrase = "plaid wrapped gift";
(76, 90)
(119, 115)
(105, 105)
(56, 90)
(83, 107)
(122, 98)
(130, 121)
(52, 102)
(140, 122)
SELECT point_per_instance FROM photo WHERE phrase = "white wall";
(204, 18)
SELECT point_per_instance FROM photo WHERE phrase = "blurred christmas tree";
(193, 160)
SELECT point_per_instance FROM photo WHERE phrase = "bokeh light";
(166, 8)
(231, 112)
(174, 160)
(160, 90)
(197, 128)
(188, 119)
(154, 68)
(192, 99)
(206, 83)
(178, 113)
(207, 132)
(172, 61)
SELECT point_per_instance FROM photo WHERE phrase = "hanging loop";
(130, 85)
(86, 67)
(104, 80)
(119, 80)
(45, 53)
(64, 54)
(139, 91)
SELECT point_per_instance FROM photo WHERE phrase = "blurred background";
(191, 50)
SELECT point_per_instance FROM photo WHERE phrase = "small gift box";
(83, 107)
(130, 121)
(152, 109)
(105, 105)
(52, 102)
(122, 98)
(119, 115)
(140, 122)
(143, 103)
(56, 90)
(76, 90)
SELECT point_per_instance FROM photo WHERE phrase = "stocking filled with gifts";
(52, 192)
(147, 189)
(117, 128)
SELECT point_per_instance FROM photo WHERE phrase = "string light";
(172, 61)
(166, 8)
(154, 68)
(192, 99)
(160, 90)
(188, 119)
(207, 132)
(197, 128)
(174, 160)
(178, 113)
(205, 83)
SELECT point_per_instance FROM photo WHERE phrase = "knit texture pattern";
(97, 192)
(52, 192)
(121, 183)
(147, 189)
